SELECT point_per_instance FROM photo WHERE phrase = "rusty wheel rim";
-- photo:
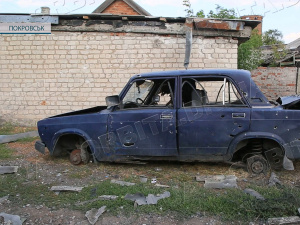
(75, 157)
(257, 167)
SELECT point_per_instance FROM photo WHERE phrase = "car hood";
(83, 111)
(290, 102)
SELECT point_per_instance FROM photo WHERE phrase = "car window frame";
(246, 102)
(175, 94)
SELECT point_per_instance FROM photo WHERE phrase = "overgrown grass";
(187, 199)
(6, 152)
(9, 128)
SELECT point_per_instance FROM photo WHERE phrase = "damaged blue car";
(213, 115)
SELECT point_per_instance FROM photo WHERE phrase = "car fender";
(79, 132)
(251, 135)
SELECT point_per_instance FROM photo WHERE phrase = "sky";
(283, 15)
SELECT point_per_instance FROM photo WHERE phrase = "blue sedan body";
(222, 125)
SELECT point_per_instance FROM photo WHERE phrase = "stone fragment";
(221, 181)
(284, 220)
(8, 169)
(94, 214)
(66, 188)
(254, 194)
(122, 183)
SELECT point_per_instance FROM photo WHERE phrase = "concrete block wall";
(276, 81)
(44, 75)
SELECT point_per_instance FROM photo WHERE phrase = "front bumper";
(40, 146)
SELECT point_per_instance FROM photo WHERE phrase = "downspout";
(297, 80)
(189, 38)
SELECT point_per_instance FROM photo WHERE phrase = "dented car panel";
(190, 115)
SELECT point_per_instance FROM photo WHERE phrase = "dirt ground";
(51, 171)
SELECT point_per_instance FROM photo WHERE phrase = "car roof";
(234, 73)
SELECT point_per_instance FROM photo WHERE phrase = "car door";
(145, 123)
(212, 113)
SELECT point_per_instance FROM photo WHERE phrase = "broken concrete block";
(151, 199)
(221, 181)
(3, 199)
(108, 197)
(8, 169)
(273, 180)
(11, 219)
(15, 137)
(202, 178)
(284, 220)
(143, 179)
(134, 197)
(122, 183)
(102, 197)
(66, 188)
(254, 194)
(94, 214)
(162, 185)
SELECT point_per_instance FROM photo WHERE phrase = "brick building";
(121, 7)
(87, 57)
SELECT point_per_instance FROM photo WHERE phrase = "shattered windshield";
(138, 90)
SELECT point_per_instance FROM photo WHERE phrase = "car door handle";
(128, 144)
(238, 115)
(166, 116)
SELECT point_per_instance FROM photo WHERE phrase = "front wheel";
(80, 156)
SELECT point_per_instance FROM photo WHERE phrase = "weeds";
(6, 152)
(186, 200)
(9, 128)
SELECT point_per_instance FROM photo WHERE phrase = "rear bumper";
(40, 146)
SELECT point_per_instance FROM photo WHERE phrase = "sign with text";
(25, 28)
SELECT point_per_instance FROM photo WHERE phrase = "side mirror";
(112, 100)
(155, 99)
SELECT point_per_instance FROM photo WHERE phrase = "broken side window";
(150, 93)
(210, 92)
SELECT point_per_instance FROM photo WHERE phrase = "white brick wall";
(43, 75)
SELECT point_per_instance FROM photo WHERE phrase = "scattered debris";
(151, 199)
(102, 197)
(274, 180)
(94, 214)
(158, 169)
(122, 183)
(218, 181)
(3, 199)
(143, 179)
(15, 137)
(153, 180)
(162, 185)
(8, 169)
(11, 219)
(288, 164)
(284, 220)
(254, 194)
(66, 188)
